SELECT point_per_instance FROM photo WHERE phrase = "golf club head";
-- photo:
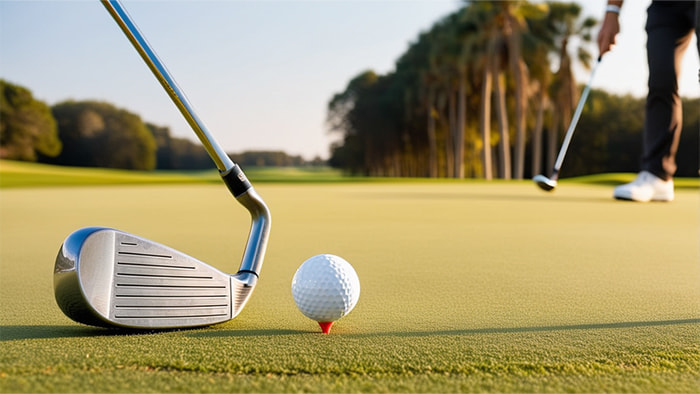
(109, 278)
(545, 183)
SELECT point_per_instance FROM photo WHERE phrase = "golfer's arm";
(610, 27)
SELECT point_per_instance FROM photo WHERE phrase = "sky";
(259, 73)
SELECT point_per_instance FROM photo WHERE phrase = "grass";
(466, 287)
(21, 174)
(614, 179)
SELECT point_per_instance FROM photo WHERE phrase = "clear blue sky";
(260, 73)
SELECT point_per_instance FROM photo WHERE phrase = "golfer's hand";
(608, 32)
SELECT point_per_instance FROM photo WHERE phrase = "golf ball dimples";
(325, 288)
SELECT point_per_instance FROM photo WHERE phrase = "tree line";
(98, 134)
(488, 92)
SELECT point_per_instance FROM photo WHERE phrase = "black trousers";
(670, 25)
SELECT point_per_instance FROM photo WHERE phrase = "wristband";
(613, 8)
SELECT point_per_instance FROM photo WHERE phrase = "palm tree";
(449, 60)
(516, 15)
(498, 74)
(494, 79)
(503, 24)
(564, 22)
(463, 48)
(539, 43)
(441, 83)
(420, 81)
(511, 31)
(485, 119)
(481, 14)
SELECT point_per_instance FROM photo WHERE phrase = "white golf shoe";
(646, 187)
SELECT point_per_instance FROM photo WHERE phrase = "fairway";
(466, 287)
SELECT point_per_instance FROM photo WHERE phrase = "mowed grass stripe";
(466, 286)
(22, 174)
(19, 174)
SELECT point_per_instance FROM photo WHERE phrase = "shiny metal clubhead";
(109, 278)
(545, 183)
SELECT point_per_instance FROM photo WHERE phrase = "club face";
(109, 278)
(545, 183)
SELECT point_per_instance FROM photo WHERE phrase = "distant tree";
(183, 154)
(348, 155)
(366, 113)
(178, 153)
(267, 159)
(188, 155)
(317, 162)
(164, 155)
(608, 137)
(97, 134)
(27, 127)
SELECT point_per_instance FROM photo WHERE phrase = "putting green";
(466, 287)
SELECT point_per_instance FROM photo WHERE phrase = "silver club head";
(109, 278)
(545, 183)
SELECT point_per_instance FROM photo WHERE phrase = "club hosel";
(235, 180)
(259, 231)
(555, 175)
(246, 195)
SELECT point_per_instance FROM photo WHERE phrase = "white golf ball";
(325, 288)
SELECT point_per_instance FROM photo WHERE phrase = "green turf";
(618, 178)
(22, 174)
(466, 287)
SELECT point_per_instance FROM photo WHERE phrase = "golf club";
(110, 278)
(548, 184)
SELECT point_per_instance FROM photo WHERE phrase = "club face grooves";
(158, 256)
(147, 292)
(127, 281)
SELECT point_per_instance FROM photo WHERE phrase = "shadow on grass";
(615, 179)
(535, 196)
(245, 333)
(678, 185)
(542, 196)
(517, 330)
(12, 333)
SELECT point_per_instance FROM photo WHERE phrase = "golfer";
(669, 27)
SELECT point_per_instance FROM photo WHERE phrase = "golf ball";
(325, 288)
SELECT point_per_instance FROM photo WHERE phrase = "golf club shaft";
(232, 175)
(574, 122)
(221, 159)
